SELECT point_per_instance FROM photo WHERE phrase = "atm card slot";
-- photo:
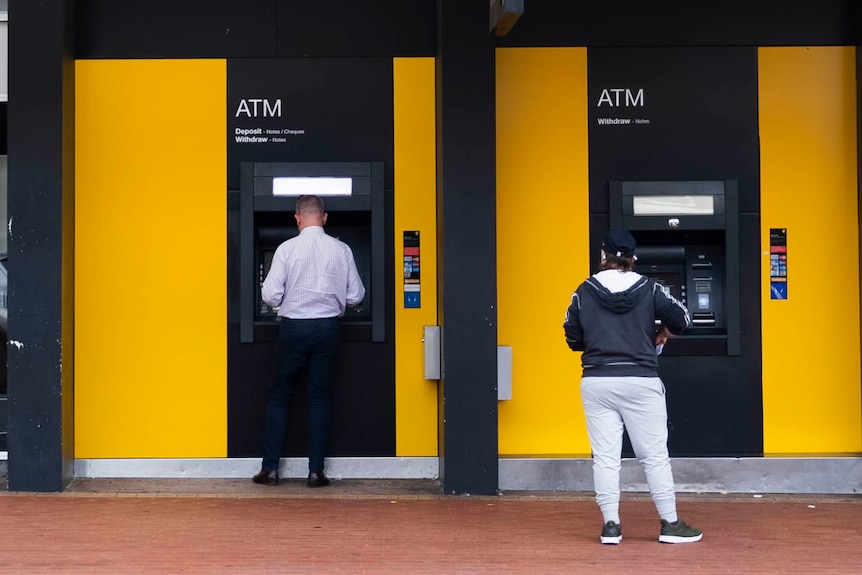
(703, 266)
(703, 319)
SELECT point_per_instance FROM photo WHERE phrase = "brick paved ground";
(387, 527)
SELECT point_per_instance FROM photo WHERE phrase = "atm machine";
(688, 239)
(352, 193)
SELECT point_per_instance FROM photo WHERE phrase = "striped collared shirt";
(313, 276)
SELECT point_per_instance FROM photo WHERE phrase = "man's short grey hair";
(309, 205)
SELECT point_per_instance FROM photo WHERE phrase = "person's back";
(317, 278)
(617, 310)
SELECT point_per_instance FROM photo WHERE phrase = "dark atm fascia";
(267, 220)
(688, 240)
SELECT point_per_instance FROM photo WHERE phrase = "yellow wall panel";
(811, 363)
(415, 209)
(542, 243)
(151, 251)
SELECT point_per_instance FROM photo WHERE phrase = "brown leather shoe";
(266, 477)
(317, 479)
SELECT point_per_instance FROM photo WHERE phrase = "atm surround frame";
(726, 217)
(256, 196)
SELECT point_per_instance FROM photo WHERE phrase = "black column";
(41, 242)
(466, 216)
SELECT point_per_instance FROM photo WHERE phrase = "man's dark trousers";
(310, 343)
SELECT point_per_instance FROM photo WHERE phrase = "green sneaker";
(612, 533)
(681, 532)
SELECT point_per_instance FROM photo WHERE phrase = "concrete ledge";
(290, 468)
(833, 475)
(825, 475)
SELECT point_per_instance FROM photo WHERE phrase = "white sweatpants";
(639, 404)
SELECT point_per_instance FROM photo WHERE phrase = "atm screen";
(670, 280)
(267, 261)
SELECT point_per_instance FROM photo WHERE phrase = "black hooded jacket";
(616, 330)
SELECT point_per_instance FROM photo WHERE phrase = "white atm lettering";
(616, 97)
(255, 107)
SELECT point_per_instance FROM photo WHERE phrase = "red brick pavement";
(240, 528)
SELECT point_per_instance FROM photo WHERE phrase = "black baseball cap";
(620, 243)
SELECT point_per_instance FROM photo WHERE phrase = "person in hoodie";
(613, 319)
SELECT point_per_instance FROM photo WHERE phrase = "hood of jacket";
(606, 288)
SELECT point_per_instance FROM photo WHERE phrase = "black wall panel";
(343, 107)
(693, 115)
(363, 401)
(255, 28)
(686, 23)
(337, 28)
(176, 29)
(340, 110)
(701, 104)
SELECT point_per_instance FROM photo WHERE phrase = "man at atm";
(312, 280)
(612, 320)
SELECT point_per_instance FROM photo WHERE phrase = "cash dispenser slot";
(703, 319)
(688, 241)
